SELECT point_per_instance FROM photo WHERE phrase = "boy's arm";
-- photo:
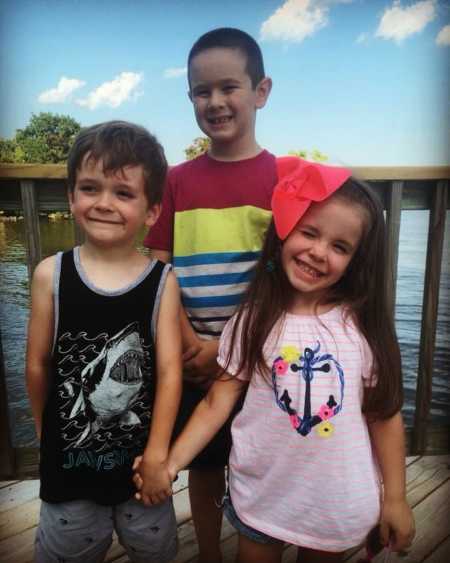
(189, 337)
(157, 484)
(397, 520)
(40, 338)
(199, 355)
(200, 363)
(207, 419)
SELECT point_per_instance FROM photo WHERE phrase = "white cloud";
(113, 93)
(295, 20)
(62, 91)
(363, 37)
(443, 37)
(397, 23)
(175, 72)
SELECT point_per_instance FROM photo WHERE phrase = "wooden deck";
(428, 493)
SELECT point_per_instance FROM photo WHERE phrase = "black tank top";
(102, 383)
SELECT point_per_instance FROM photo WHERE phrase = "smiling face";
(319, 249)
(112, 207)
(225, 102)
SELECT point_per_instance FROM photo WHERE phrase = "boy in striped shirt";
(215, 212)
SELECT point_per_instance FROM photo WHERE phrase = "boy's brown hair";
(119, 144)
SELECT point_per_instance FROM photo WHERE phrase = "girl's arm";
(40, 338)
(153, 468)
(207, 419)
(397, 520)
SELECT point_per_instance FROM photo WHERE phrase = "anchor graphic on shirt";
(308, 364)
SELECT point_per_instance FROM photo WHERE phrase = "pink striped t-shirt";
(301, 467)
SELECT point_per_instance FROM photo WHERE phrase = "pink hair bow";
(299, 184)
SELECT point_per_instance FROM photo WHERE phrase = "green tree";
(315, 155)
(8, 148)
(46, 139)
(199, 146)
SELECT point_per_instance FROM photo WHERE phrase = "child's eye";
(307, 234)
(229, 89)
(124, 194)
(87, 188)
(341, 249)
(201, 93)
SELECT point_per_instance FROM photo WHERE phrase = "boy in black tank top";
(104, 360)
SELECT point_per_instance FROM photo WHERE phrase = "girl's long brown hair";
(365, 289)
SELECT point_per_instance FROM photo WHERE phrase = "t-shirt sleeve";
(224, 348)
(160, 236)
(369, 379)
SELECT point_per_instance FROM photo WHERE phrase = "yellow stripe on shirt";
(240, 229)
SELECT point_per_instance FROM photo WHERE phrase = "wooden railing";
(35, 188)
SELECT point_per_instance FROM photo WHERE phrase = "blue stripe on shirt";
(214, 258)
(215, 279)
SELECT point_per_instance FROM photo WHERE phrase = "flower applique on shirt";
(307, 365)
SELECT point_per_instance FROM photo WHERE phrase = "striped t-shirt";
(302, 468)
(213, 221)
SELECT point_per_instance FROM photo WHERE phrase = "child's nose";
(104, 201)
(318, 249)
(216, 99)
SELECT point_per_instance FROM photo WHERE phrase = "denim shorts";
(81, 530)
(243, 529)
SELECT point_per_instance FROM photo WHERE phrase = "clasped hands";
(153, 480)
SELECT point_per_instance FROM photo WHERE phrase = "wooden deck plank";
(19, 548)
(4, 484)
(442, 553)
(426, 475)
(411, 459)
(17, 520)
(20, 492)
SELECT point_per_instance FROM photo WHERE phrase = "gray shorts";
(81, 531)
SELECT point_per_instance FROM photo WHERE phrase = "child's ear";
(153, 212)
(262, 92)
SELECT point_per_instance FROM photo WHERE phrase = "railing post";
(393, 218)
(31, 217)
(436, 231)
(7, 457)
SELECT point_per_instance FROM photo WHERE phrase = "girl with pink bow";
(318, 456)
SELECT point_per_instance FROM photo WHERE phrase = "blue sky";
(365, 81)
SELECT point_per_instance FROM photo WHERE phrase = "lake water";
(58, 235)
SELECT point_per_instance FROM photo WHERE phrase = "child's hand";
(137, 480)
(199, 363)
(152, 479)
(397, 527)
